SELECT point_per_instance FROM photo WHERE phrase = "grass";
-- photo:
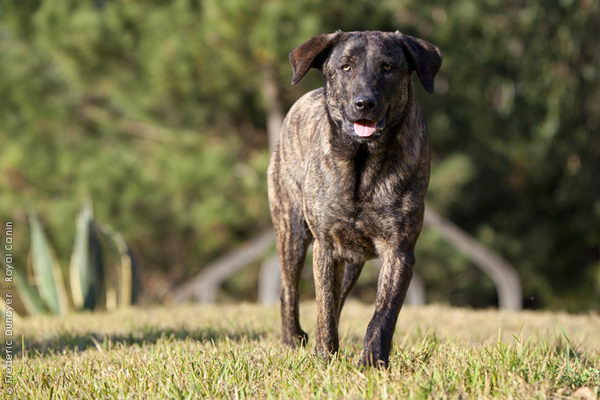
(233, 351)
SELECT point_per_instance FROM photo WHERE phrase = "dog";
(349, 175)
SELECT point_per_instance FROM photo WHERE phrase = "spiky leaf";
(119, 271)
(48, 275)
(28, 295)
(86, 262)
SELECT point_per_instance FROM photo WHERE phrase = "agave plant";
(101, 270)
(86, 268)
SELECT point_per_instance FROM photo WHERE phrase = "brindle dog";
(350, 174)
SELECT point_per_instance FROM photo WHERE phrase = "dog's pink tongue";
(365, 130)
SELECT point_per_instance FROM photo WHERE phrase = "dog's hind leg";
(293, 239)
(351, 274)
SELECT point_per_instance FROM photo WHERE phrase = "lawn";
(233, 351)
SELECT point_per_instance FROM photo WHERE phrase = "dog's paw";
(326, 349)
(293, 340)
(373, 358)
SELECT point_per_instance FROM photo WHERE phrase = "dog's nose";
(365, 103)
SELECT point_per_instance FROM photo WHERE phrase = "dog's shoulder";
(305, 122)
(307, 107)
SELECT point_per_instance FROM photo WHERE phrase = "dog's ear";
(423, 57)
(311, 54)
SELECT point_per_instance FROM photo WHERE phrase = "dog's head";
(367, 76)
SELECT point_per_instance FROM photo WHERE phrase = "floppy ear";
(423, 57)
(311, 53)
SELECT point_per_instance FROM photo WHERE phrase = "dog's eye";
(346, 67)
(387, 67)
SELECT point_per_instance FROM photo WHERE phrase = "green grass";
(233, 351)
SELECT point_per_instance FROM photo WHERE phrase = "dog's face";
(367, 77)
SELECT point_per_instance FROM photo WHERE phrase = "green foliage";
(156, 110)
(518, 106)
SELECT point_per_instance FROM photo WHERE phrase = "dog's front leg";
(329, 274)
(394, 279)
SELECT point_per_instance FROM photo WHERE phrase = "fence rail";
(204, 287)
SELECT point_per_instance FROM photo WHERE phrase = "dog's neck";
(361, 163)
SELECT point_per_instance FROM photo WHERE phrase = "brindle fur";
(353, 198)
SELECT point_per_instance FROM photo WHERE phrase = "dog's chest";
(350, 210)
(350, 231)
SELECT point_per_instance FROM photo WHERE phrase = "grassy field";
(234, 352)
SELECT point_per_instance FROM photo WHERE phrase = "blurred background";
(135, 136)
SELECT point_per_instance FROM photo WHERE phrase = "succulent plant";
(101, 270)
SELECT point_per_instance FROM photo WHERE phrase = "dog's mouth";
(365, 128)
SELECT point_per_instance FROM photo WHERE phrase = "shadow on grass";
(68, 342)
